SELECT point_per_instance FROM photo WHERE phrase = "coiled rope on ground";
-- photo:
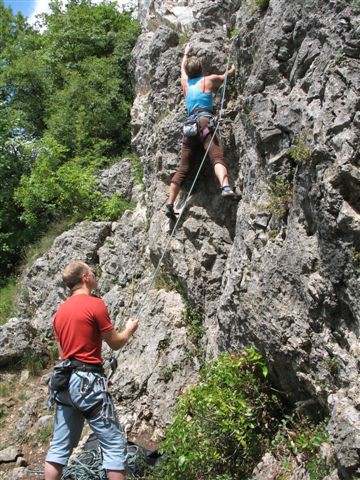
(87, 465)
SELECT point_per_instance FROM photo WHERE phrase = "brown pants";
(191, 144)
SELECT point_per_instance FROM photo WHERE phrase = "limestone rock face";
(278, 270)
(17, 339)
(116, 179)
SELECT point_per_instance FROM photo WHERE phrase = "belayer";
(199, 126)
(78, 384)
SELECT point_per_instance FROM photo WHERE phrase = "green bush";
(109, 209)
(222, 425)
(44, 243)
(164, 344)
(65, 105)
(262, 4)
(356, 260)
(183, 39)
(4, 389)
(298, 440)
(167, 373)
(137, 170)
(280, 197)
(163, 281)
(57, 188)
(44, 434)
(300, 152)
(195, 325)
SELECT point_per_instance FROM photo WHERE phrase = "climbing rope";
(86, 466)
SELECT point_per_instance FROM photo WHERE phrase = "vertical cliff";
(280, 270)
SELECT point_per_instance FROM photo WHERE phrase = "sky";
(31, 8)
(25, 6)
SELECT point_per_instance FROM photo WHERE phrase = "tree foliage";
(65, 100)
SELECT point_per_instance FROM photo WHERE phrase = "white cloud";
(42, 6)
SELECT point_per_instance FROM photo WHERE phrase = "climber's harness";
(60, 378)
(191, 126)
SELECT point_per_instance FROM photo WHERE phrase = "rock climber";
(198, 90)
(81, 324)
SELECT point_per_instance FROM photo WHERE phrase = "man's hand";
(117, 340)
(231, 71)
(131, 326)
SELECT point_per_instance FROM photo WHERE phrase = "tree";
(14, 162)
(65, 105)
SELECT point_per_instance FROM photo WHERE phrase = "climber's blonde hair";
(193, 67)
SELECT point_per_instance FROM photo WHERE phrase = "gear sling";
(60, 379)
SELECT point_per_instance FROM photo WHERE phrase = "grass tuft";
(8, 295)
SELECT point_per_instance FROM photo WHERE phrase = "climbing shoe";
(169, 211)
(227, 191)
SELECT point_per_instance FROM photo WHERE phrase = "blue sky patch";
(26, 7)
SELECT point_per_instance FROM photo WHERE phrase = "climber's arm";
(184, 77)
(214, 81)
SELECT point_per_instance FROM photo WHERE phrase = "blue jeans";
(86, 390)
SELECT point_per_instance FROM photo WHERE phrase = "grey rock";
(45, 378)
(9, 454)
(271, 468)
(44, 422)
(17, 339)
(333, 476)
(344, 428)
(291, 293)
(24, 377)
(21, 462)
(267, 469)
(28, 416)
(116, 179)
(19, 473)
(152, 13)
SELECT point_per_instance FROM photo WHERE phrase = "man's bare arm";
(115, 339)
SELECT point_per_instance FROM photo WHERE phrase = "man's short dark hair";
(72, 275)
(193, 67)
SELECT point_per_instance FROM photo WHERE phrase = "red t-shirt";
(78, 325)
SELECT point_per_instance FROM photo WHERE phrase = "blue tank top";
(195, 97)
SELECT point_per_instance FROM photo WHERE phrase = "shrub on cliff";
(222, 425)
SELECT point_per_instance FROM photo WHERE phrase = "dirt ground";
(26, 423)
(22, 402)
